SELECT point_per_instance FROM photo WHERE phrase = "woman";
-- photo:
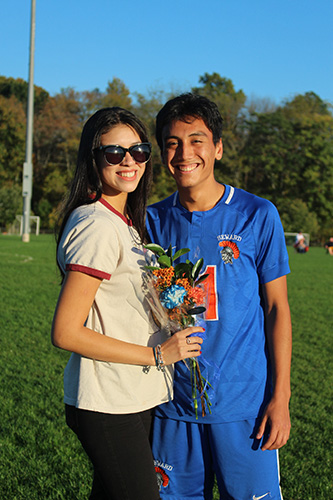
(119, 368)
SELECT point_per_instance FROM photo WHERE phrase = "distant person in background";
(300, 243)
(119, 368)
(329, 246)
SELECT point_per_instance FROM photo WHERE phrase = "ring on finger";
(188, 341)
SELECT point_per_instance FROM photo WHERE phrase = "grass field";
(41, 459)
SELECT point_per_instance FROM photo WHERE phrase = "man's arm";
(278, 331)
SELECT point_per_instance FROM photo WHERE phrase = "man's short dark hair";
(187, 106)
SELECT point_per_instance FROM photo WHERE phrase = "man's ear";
(219, 150)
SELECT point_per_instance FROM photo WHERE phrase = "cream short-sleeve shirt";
(99, 241)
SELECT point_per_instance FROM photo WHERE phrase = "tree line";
(281, 152)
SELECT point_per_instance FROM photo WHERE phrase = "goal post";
(33, 218)
(291, 238)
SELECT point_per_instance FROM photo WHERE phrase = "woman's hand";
(183, 344)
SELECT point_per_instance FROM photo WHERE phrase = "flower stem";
(194, 388)
(200, 386)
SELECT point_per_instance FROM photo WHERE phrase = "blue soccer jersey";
(242, 243)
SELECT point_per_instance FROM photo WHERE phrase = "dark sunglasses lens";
(114, 155)
(140, 153)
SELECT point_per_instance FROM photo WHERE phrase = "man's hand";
(276, 424)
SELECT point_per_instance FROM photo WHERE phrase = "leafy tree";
(90, 101)
(309, 104)
(296, 216)
(283, 153)
(56, 141)
(10, 204)
(259, 105)
(147, 107)
(12, 140)
(267, 154)
(44, 209)
(19, 88)
(117, 94)
(289, 156)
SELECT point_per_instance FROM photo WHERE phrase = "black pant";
(119, 449)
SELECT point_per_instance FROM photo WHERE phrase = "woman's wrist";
(158, 358)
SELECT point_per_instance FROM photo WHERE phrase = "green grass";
(306, 470)
(39, 456)
(41, 459)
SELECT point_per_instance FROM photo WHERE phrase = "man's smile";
(187, 168)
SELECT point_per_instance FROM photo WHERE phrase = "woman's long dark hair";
(86, 186)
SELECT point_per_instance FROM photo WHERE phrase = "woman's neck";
(118, 201)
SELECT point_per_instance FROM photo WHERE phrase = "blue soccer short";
(187, 455)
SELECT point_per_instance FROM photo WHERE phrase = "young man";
(247, 349)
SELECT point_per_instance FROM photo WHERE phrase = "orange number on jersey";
(212, 313)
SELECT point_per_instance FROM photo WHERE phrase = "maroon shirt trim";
(110, 207)
(88, 270)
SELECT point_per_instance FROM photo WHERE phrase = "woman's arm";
(69, 333)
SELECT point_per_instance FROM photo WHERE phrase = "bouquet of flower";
(176, 296)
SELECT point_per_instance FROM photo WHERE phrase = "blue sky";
(268, 48)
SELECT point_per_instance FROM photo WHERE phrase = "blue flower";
(173, 296)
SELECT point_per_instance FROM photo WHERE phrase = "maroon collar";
(110, 207)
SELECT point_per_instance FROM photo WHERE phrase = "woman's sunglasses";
(115, 154)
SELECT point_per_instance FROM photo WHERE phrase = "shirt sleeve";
(272, 255)
(90, 246)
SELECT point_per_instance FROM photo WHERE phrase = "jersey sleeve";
(91, 246)
(151, 220)
(155, 219)
(272, 255)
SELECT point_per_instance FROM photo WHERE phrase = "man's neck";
(201, 200)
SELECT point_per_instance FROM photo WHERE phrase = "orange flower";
(184, 282)
(197, 294)
(164, 276)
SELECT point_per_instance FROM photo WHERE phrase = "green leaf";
(201, 279)
(181, 269)
(197, 310)
(164, 261)
(169, 252)
(157, 249)
(197, 268)
(151, 268)
(180, 252)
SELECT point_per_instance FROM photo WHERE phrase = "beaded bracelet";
(158, 357)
